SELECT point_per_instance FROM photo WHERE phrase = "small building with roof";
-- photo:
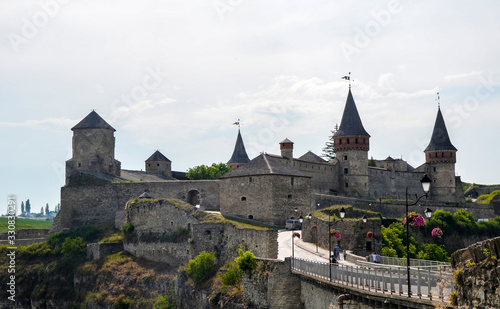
(266, 190)
(158, 164)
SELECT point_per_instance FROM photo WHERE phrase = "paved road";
(302, 249)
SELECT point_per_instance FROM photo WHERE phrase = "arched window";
(289, 196)
(243, 198)
(250, 217)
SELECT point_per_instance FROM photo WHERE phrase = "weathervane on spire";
(348, 78)
(439, 104)
(237, 123)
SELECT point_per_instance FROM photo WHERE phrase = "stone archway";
(193, 197)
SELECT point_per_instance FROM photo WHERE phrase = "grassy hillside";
(486, 198)
(24, 224)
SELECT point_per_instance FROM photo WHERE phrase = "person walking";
(345, 255)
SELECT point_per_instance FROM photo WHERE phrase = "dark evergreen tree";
(28, 207)
(22, 208)
(328, 152)
(47, 209)
(41, 211)
(372, 162)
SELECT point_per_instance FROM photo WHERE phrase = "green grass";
(24, 224)
(486, 198)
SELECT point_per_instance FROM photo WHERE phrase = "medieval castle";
(269, 188)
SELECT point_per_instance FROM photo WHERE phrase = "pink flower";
(415, 219)
(437, 232)
(296, 234)
(335, 233)
(314, 227)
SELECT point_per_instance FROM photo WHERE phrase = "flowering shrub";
(314, 227)
(296, 234)
(369, 234)
(335, 233)
(437, 232)
(415, 219)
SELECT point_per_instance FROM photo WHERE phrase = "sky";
(175, 75)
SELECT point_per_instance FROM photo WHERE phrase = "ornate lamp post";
(342, 215)
(365, 219)
(428, 214)
(426, 185)
(309, 217)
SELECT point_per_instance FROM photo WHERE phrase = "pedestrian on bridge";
(345, 255)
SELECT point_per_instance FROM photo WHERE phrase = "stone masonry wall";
(389, 184)
(156, 221)
(95, 205)
(98, 250)
(266, 198)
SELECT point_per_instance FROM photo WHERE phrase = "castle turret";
(351, 143)
(159, 164)
(286, 147)
(93, 147)
(239, 156)
(440, 156)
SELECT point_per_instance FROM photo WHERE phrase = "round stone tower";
(351, 143)
(93, 147)
(441, 156)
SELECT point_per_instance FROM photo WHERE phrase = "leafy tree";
(208, 172)
(463, 216)
(28, 207)
(328, 152)
(246, 260)
(201, 267)
(47, 209)
(430, 252)
(58, 207)
(232, 274)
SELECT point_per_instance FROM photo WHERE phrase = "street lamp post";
(426, 185)
(309, 217)
(342, 215)
(428, 214)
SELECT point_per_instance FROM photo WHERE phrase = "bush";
(122, 302)
(168, 301)
(232, 274)
(453, 298)
(74, 247)
(127, 230)
(458, 277)
(201, 267)
(246, 261)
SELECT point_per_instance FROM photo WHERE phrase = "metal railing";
(387, 260)
(386, 279)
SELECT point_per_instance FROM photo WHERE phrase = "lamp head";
(428, 212)
(342, 213)
(426, 183)
(365, 219)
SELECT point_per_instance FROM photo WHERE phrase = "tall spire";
(440, 139)
(351, 122)
(239, 156)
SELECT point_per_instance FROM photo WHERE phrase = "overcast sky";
(176, 75)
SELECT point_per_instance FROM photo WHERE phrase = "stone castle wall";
(323, 174)
(266, 198)
(353, 172)
(158, 221)
(98, 204)
(389, 184)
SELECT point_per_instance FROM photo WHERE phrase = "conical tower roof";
(93, 121)
(158, 156)
(440, 139)
(351, 122)
(239, 153)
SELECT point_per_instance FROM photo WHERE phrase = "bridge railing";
(387, 279)
(388, 260)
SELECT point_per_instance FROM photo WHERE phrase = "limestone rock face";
(478, 275)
